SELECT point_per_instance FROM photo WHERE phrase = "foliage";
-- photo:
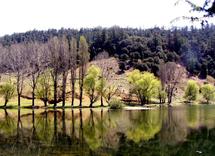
(91, 83)
(207, 10)
(192, 90)
(143, 85)
(115, 104)
(43, 89)
(84, 56)
(7, 91)
(208, 92)
(101, 86)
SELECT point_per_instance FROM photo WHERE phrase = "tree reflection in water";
(163, 131)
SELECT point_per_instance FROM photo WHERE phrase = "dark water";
(175, 131)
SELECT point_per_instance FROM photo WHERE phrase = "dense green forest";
(139, 48)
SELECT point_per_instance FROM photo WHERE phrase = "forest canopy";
(143, 49)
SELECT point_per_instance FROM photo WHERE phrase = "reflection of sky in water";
(107, 132)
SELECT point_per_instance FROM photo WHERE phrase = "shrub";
(115, 104)
(7, 91)
(192, 90)
(208, 92)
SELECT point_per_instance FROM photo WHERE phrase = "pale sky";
(24, 15)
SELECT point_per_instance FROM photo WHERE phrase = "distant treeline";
(139, 48)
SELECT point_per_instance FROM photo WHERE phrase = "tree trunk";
(18, 89)
(81, 93)
(19, 100)
(55, 92)
(170, 94)
(64, 88)
(5, 103)
(73, 85)
(92, 100)
(102, 104)
(33, 95)
(170, 99)
(81, 83)
(142, 101)
(45, 102)
(33, 89)
(91, 103)
(73, 93)
(46, 97)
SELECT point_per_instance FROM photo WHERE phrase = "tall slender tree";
(37, 62)
(65, 60)
(3, 54)
(54, 57)
(73, 65)
(84, 57)
(91, 81)
(59, 60)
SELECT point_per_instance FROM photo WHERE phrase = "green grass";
(26, 103)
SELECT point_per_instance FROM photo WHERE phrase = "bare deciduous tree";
(110, 92)
(65, 59)
(54, 48)
(37, 62)
(73, 65)
(3, 60)
(170, 75)
(16, 58)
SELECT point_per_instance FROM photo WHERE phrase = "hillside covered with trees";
(57, 66)
(141, 49)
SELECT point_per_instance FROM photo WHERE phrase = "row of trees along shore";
(46, 67)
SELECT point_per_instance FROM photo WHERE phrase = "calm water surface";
(178, 131)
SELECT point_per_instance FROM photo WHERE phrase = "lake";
(182, 130)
